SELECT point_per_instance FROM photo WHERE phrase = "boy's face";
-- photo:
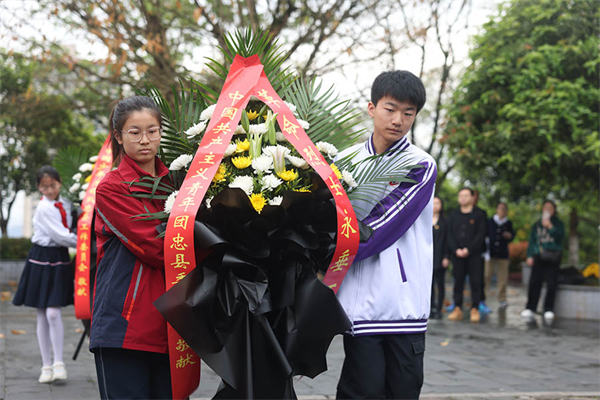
(392, 119)
(465, 198)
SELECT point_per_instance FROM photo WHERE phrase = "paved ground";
(500, 358)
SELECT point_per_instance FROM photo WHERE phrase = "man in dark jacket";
(466, 232)
(500, 234)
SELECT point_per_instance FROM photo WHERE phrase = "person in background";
(440, 258)
(500, 234)
(544, 254)
(483, 308)
(466, 232)
(47, 279)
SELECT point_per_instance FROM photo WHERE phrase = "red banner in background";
(245, 78)
(102, 166)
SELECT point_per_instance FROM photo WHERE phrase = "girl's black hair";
(441, 201)
(553, 205)
(121, 113)
(399, 85)
(47, 170)
(503, 203)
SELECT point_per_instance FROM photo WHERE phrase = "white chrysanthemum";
(85, 186)
(291, 106)
(239, 130)
(81, 195)
(195, 129)
(230, 149)
(297, 162)
(170, 201)
(327, 148)
(258, 129)
(245, 183)
(207, 113)
(280, 137)
(77, 176)
(181, 162)
(93, 159)
(208, 201)
(75, 187)
(349, 179)
(263, 163)
(276, 201)
(86, 167)
(304, 124)
(270, 182)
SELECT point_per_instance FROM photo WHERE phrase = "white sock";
(43, 335)
(57, 332)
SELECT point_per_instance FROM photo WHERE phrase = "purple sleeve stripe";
(399, 321)
(390, 332)
(400, 216)
(400, 197)
(390, 326)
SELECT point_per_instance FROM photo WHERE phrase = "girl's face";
(437, 205)
(548, 208)
(49, 187)
(136, 135)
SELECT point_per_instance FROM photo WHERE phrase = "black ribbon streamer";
(253, 309)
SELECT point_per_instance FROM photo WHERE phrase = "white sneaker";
(548, 317)
(527, 315)
(46, 376)
(59, 371)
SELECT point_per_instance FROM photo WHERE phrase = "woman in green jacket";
(544, 255)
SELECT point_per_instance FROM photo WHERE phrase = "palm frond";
(330, 119)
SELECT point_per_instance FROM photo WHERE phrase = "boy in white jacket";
(386, 292)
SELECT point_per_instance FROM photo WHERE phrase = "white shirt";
(48, 229)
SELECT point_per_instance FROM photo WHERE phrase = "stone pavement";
(500, 358)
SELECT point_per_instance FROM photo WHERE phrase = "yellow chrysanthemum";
(592, 270)
(221, 174)
(243, 145)
(252, 115)
(336, 171)
(258, 202)
(242, 162)
(89, 177)
(288, 175)
(303, 190)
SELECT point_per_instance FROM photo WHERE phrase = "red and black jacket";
(131, 274)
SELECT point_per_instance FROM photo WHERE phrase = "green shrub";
(14, 249)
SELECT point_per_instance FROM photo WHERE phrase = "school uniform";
(130, 277)
(47, 279)
(386, 292)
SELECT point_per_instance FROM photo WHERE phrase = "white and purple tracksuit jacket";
(387, 289)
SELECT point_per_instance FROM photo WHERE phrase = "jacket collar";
(131, 171)
(397, 146)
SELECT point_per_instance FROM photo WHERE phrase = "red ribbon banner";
(102, 166)
(245, 78)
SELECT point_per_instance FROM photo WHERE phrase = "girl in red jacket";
(128, 335)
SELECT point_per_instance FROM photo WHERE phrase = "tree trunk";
(4, 227)
(573, 238)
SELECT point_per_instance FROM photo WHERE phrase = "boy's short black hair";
(399, 85)
(467, 188)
